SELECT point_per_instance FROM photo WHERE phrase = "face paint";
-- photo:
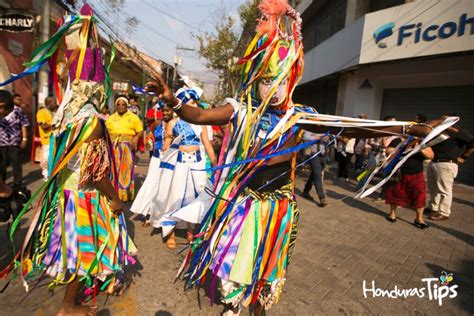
(280, 94)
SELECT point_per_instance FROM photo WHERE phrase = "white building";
(390, 57)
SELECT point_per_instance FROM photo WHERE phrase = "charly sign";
(17, 22)
(426, 33)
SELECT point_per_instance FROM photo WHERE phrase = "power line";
(171, 16)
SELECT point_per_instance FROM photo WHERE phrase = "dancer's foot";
(171, 242)
(146, 223)
(77, 310)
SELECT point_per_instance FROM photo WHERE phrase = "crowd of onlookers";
(407, 187)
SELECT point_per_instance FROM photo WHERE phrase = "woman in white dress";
(182, 176)
(149, 189)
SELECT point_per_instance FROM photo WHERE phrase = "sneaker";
(323, 202)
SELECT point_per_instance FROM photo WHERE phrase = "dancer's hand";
(161, 89)
(117, 206)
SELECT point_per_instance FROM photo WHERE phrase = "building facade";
(390, 57)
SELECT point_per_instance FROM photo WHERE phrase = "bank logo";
(420, 32)
(382, 32)
(430, 289)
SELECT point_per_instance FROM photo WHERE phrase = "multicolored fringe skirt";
(250, 249)
(81, 237)
(125, 162)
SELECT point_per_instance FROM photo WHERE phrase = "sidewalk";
(338, 247)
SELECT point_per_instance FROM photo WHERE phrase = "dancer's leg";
(69, 305)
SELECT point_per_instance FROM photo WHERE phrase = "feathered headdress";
(276, 51)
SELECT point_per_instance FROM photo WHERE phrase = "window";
(376, 5)
(324, 22)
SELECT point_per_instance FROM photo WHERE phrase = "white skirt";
(181, 181)
(149, 189)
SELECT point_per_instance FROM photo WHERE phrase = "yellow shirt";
(128, 124)
(44, 116)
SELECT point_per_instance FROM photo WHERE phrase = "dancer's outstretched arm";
(215, 116)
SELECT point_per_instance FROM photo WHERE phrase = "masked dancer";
(248, 229)
(77, 235)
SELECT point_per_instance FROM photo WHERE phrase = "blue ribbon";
(137, 89)
(26, 72)
(267, 157)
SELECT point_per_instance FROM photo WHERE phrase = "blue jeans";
(317, 164)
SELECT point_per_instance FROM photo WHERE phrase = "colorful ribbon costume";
(73, 231)
(249, 224)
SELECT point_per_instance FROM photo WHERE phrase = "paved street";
(338, 247)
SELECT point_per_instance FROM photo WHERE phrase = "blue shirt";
(189, 136)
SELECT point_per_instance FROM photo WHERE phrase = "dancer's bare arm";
(215, 116)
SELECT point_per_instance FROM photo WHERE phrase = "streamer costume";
(73, 231)
(249, 224)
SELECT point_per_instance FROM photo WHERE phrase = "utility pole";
(178, 61)
(43, 88)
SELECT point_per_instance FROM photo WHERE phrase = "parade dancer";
(183, 171)
(248, 230)
(150, 187)
(77, 235)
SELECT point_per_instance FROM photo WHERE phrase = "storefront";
(414, 58)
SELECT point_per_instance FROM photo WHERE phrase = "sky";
(165, 24)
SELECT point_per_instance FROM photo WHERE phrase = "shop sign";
(17, 22)
(415, 29)
(419, 32)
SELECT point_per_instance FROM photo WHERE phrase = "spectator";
(343, 158)
(361, 153)
(153, 117)
(18, 101)
(317, 163)
(13, 138)
(44, 117)
(444, 168)
(125, 129)
(421, 118)
(410, 190)
(134, 107)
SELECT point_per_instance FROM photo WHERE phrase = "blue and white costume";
(149, 189)
(182, 178)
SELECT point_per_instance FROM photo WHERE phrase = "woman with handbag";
(410, 188)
